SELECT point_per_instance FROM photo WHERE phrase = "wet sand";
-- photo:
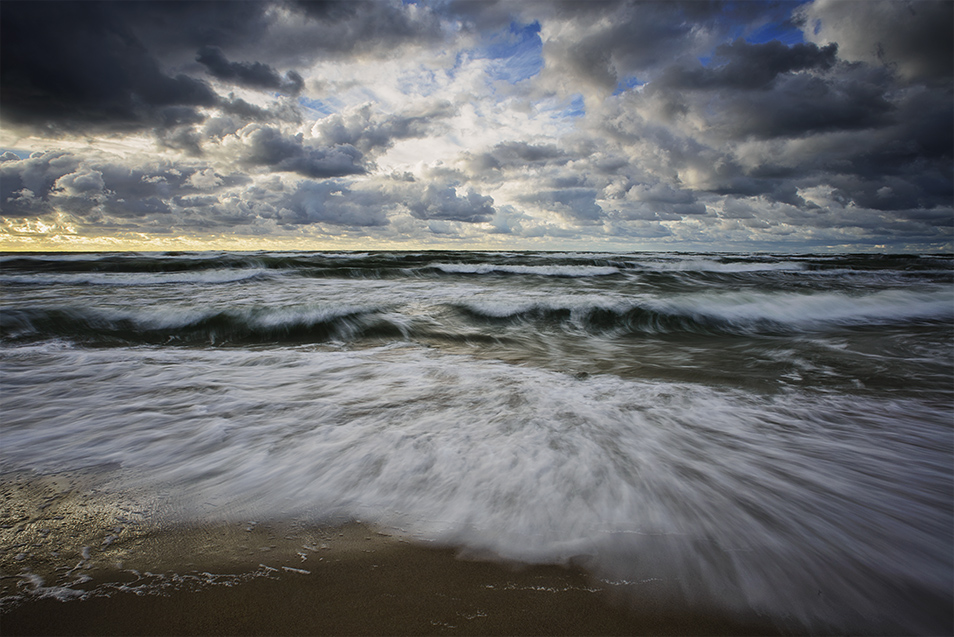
(79, 561)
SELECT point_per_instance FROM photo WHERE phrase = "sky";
(460, 124)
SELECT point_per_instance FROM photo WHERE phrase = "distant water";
(769, 434)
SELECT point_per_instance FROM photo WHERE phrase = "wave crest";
(260, 325)
(570, 271)
(728, 313)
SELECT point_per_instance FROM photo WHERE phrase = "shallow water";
(766, 434)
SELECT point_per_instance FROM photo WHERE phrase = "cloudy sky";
(477, 124)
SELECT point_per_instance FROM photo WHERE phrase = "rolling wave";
(725, 313)
(569, 271)
(719, 266)
(729, 312)
(215, 327)
(214, 267)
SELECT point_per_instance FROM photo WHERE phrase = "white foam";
(540, 270)
(809, 309)
(674, 481)
(693, 264)
(522, 462)
(501, 306)
(338, 255)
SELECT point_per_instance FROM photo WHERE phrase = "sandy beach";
(79, 561)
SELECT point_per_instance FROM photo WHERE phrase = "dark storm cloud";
(266, 146)
(604, 42)
(251, 74)
(914, 39)
(660, 202)
(278, 111)
(803, 105)
(181, 27)
(105, 66)
(741, 65)
(442, 203)
(878, 143)
(874, 147)
(74, 66)
(762, 91)
(893, 192)
(360, 26)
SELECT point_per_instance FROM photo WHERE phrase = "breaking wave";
(539, 270)
(730, 312)
(724, 313)
(224, 327)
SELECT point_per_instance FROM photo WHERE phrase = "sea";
(750, 432)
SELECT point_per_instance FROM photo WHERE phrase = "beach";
(75, 562)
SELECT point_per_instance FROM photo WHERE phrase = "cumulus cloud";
(368, 131)
(334, 203)
(518, 154)
(266, 146)
(443, 203)
(99, 190)
(81, 183)
(577, 205)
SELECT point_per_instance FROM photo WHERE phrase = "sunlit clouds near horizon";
(695, 126)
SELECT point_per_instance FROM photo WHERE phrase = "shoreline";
(77, 561)
(392, 590)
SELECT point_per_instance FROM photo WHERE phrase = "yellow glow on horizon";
(140, 242)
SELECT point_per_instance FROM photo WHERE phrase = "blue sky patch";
(318, 106)
(22, 154)
(626, 84)
(785, 32)
(518, 52)
(577, 107)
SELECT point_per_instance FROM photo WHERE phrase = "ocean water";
(751, 433)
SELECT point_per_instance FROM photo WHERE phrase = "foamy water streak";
(814, 309)
(715, 265)
(751, 433)
(541, 270)
(524, 463)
